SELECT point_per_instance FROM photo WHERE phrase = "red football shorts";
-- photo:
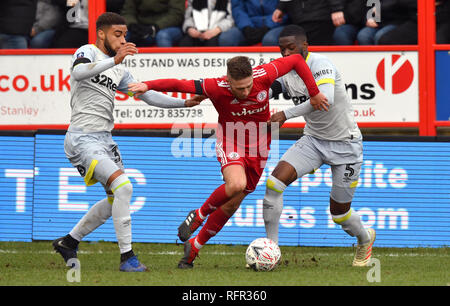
(254, 166)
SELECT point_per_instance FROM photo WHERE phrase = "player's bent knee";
(285, 172)
(122, 187)
(235, 187)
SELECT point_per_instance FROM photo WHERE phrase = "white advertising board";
(35, 89)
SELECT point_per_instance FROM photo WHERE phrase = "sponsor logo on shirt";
(245, 111)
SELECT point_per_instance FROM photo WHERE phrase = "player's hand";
(138, 88)
(278, 118)
(126, 49)
(338, 18)
(277, 16)
(195, 100)
(319, 102)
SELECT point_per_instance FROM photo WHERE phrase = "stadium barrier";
(382, 85)
(403, 191)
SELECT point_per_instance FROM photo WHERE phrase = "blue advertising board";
(16, 187)
(442, 88)
(403, 193)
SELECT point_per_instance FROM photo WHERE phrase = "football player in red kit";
(242, 100)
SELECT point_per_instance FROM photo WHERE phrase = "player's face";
(241, 88)
(114, 38)
(291, 45)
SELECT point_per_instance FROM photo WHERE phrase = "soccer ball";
(263, 254)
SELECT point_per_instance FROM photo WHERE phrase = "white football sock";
(96, 216)
(123, 191)
(273, 206)
(352, 225)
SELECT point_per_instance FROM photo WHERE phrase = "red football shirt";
(245, 118)
(242, 122)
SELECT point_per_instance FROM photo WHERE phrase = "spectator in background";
(16, 21)
(379, 23)
(205, 21)
(48, 16)
(349, 22)
(153, 22)
(73, 29)
(317, 18)
(405, 30)
(254, 23)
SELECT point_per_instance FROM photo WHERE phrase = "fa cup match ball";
(263, 254)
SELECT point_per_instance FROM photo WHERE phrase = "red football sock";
(215, 200)
(212, 226)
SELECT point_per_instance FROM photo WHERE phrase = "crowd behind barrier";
(64, 23)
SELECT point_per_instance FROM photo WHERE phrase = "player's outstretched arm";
(138, 89)
(167, 85)
(151, 97)
(158, 99)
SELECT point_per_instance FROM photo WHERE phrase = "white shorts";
(95, 155)
(345, 158)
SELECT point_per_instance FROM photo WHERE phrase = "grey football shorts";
(95, 155)
(344, 157)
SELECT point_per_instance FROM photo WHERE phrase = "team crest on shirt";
(233, 156)
(262, 95)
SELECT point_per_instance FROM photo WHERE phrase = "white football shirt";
(338, 123)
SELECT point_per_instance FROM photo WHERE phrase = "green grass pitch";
(35, 263)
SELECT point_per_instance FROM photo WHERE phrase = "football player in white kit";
(96, 75)
(330, 137)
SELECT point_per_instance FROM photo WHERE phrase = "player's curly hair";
(239, 67)
(108, 19)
